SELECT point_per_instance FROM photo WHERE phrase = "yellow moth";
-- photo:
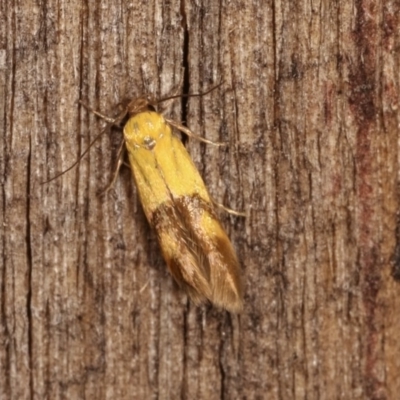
(177, 205)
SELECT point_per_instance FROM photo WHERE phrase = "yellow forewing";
(176, 203)
(164, 170)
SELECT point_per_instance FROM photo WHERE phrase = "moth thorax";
(149, 143)
(144, 129)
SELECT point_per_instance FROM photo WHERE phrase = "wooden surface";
(309, 106)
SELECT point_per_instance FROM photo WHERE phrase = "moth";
(177, 205)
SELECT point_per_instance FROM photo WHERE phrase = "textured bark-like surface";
(310, 107)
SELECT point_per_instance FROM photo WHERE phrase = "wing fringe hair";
(198, 252)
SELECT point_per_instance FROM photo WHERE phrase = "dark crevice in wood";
(29, 270)
(185, 372)
(396, 255)
(185, 64)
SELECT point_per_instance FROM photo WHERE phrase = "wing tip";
(230, 299)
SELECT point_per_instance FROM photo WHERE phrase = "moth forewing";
(177, 205)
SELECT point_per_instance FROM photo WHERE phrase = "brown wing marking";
(181, 253)
(198, 252)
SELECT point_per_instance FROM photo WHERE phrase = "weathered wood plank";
(309, 106)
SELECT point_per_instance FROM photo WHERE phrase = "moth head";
(139, 105)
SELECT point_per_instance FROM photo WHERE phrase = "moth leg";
(102, 116)
(120, 161)
(144, 287)
(193, 135)
(228, 210)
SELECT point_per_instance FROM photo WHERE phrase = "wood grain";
(310, 107)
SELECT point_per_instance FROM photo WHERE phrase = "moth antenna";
(174, 96)
(191, 94)
(110, 121)
(77, 161)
